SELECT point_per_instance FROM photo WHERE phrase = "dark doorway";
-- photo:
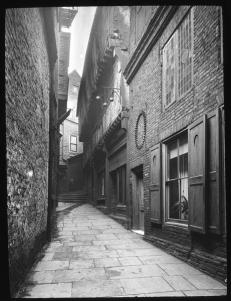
(137, 198)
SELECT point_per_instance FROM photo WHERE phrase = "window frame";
(119, 184)
(165, 180)
(70, 144)
(176, 71)
(75, 89)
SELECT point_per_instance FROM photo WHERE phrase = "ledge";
(120, 206)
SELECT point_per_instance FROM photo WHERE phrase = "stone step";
(72, 201)
(72, 197)
(72, 194)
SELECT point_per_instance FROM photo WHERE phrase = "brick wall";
(64, 48)
(205, 95)
(27, 119)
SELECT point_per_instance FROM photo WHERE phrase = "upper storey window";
(73, 143)
(177, 62)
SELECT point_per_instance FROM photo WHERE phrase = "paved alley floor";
(94, 256)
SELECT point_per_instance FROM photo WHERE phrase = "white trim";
(165, 209)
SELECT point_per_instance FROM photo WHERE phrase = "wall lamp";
(108, 91)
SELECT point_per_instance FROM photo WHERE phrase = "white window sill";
(176, 224)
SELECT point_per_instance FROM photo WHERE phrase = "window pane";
(183, 166)
(172, 149)
(173, 168)
(73, 147)
(73, 139)
(174, 205)
(184, 199)
(183, 144)
(169, 61)
(185, 56)
(177, 189)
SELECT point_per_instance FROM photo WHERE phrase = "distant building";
(70, 156)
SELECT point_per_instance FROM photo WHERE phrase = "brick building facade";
(31, 71)
(160, 170)
(176, 132)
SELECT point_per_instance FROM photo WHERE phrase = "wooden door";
(140, 201)
(135, 205)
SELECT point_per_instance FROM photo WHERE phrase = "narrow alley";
(94, 256)
(116, 151)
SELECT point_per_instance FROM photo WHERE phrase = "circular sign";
(140, 130)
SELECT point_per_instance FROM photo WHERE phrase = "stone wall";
(27, 135)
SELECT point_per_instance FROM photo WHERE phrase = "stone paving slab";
(81, 263)
(179, 283)
(90, 248)
(97, 288)
(204, 282)
(40, 277)
(165, 294)
(145, 285)
(106, 262)
(129, 261)
(94, 256)
(79, 274)
(51, 265)
(106, 236)
(113, 230)
(179, 269)
(117, 242)
(153, 259)
(62, 256)
(139, 252)
(62, 290)
(206, 293)
(134, 271)
(124, 246)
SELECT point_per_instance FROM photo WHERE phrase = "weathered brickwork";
(64, 48)
(27, 119)
(205, 95)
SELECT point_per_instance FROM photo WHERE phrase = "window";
(177, 62)
(73, 143)
(119, 185)
(177, 179)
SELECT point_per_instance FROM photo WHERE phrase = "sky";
(80, 31)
